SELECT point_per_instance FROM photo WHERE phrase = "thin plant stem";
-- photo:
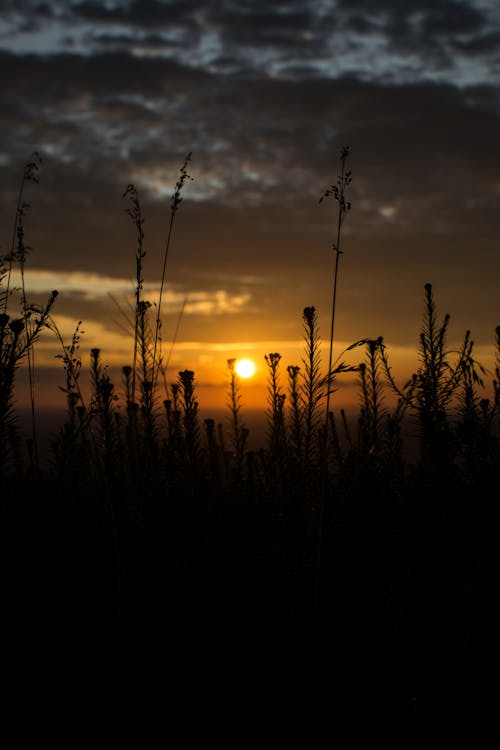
(30, 174)
(30, 352)
(338, 192)
(136, 216)
(164, 368)
(174, 206)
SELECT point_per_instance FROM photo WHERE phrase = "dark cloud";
(481, 44)
(424, 29)
(62, 75)
(265, 25)
(150, 13)
(123, 42)
(450, 18)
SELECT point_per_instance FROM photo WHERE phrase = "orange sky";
(208, 359)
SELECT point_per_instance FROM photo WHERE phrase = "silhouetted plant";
(238, 430)
(71, 448)
(15, 341)
(18, 336)
(21, 254)
(136, 216)
(476, 442)
(103, 398)
(30, 174)
(190, 420)
(338, 191)
(313, 384)
(371, 396)
(496, 380)
(296, 414)
(276, 403)
(175, 202)
(146, 374)
(436, 382)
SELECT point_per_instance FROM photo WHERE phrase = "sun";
(245, 368)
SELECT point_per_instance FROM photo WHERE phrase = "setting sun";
(245, 368)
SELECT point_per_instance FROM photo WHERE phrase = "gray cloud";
(148, 13)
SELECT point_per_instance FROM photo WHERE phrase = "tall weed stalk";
(238, 430)
(338, 191)
(175, 202)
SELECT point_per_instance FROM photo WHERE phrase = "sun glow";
(245, 368)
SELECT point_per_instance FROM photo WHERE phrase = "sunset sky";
(264, 95)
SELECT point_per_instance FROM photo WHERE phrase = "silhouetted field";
(327, 584)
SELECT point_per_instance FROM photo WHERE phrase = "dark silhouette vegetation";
(325, 584)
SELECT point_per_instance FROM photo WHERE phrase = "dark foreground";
(194, 615)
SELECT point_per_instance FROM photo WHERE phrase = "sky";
(264, 95)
